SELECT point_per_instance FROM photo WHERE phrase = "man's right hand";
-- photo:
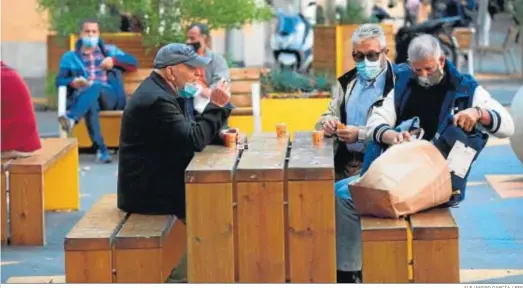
(392, 137)
(219, 95)
(329, 127)
(79, 82)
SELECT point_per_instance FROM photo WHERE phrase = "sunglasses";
(371, 56)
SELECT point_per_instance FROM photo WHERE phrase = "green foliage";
(288, 81)
(352, 14)
(224, 13)
(160, 28)
(65, 16)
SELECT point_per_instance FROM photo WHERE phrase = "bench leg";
(436, 261)
(61, 183)
(26, 209)
(3, 216)
(94, 266)
(385, 261)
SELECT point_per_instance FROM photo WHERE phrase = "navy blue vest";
(458, 98)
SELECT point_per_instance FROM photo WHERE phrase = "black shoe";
(349, 276)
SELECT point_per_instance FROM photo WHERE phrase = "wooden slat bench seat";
(46, 181)
(110, 246)
(422, 248)
(89, 245)
(148, 247)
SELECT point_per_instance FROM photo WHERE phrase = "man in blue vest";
(357, 91)
(428, 89)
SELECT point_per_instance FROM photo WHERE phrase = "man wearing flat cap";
(158, 138)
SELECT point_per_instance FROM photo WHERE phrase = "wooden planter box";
(131, 43)
(335, 51)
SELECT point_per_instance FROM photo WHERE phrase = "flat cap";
(177, 53)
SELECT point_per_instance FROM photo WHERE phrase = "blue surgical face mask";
(189, 90)
(368, 69)
(90, 41)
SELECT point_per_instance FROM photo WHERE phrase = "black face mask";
(196, 46)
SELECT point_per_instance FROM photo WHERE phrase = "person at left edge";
(92, 73)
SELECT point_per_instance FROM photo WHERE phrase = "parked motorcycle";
(440, 28)
(292, 41)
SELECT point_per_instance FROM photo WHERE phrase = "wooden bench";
(46, 181)
(422, 248)
(241, 210)
(465, 40)
(110, 246)
(241, 117)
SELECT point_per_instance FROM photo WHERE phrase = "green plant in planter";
(284, 81)
(164, 20)
(352, 14)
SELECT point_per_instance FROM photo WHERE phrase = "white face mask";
(369, 69)
(432, 79)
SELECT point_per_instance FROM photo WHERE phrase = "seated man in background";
(197, 38)
(357, 92)
(19, 130)
(159, 137)
(212, 74)
(92, 74)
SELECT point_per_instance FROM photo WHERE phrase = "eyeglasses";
(371, 56)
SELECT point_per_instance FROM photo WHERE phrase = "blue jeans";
(342, 187)
(348, 228)
(88, 102)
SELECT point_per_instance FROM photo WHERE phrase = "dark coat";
(157, 142)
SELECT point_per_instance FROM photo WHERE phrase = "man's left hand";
(107, 63)
(466, 119)
(348, 135)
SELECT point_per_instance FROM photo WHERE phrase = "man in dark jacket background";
(158, 139)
